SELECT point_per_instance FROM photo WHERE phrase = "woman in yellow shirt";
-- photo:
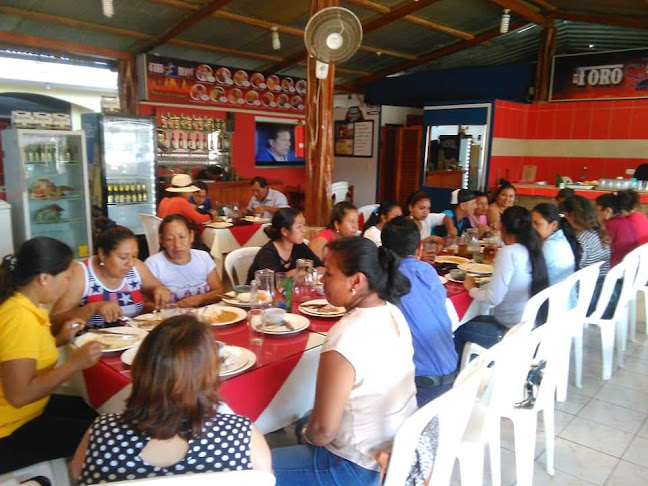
(31, 429)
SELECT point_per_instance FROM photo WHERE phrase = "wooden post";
(127, 85)
(319, 137)
(543, 67)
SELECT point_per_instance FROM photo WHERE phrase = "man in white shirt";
(265, 201)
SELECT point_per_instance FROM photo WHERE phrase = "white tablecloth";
(221, 241)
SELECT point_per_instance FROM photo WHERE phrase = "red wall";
(243, 143)
(583, 121)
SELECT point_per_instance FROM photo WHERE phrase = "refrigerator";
(46, 186)
(121, 167)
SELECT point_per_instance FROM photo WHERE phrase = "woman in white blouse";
(365, 382)
(384, 213)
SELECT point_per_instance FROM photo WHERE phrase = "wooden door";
(387, 174)
(408, 162)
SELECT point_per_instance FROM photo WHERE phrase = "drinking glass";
(283, 295)
(265, 292)
(255, 326)
(304, 282)
(451, 245)
(429, 252)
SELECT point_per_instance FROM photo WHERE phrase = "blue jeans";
(307, 465)
(482, 330)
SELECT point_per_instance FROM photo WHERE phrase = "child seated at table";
(171, 424)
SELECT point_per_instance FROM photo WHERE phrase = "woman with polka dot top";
(171, 424)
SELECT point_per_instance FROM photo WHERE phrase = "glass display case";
(46, 185)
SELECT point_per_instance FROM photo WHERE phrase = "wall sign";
(354, 135)
(186, 82)
(600, 75)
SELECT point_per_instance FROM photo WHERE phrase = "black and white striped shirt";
(594, 250)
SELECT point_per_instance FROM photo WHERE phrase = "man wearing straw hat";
(177, 202)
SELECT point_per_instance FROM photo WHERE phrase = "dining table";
(274, 392)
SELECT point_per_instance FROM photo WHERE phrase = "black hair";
(379, 264)
(200, 185)
(504, 184)
(581, 210)
(109, 235)
(277, 129)
(170, 219)
(383, 210)
(481, 194)
(564, 193)
(401, 235)
(282, 218)
(641, 172)
(338, 213)
(609, 201)
(550, 213)
(628, 200)
(413, 198)
(261, 180)
(35, 256)
(517, 222)
(465, 195)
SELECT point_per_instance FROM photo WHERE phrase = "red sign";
(600, 75)
(178, 81)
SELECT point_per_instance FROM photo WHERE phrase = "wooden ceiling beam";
(225, 50)
(546, 5)
(630, 22)
(47, 44)
(431, 56)
(396, 13)
(428, 24)
(523, 11)
(183, 24)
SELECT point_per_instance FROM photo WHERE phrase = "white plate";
(256, 219)
(233, 300)
(212, 310)
(450, 279)
(298, 323)
(443, 280)
(478, 280)
(240, 360)
(478, 268)
(128, 356)
(119, 343)
(218, 224)
(450, 259)
(146, 322)
(577, 187)
(304, 309)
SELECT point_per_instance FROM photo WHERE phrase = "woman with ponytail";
(520, 272)
(559, 244)
(384, 213)
(34, 428)
(365, 383)
(622, 233)
(286, 245)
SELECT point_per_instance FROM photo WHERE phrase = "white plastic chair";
(453, 410)
(640, 289)
(339, 191)
(366, 211)
(228, 478)
(617, 325)
(239, 261)
(151, 224)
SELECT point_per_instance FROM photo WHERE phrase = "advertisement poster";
(178, 81)
(354, 135)
(600, 75)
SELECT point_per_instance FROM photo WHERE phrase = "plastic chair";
(239, 261)
(617, 325)
(227, 478)
(640, 288)
(453, 410)
(365, 212)
(151, 224)
(339, 191)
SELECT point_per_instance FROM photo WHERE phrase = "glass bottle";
(303, 283)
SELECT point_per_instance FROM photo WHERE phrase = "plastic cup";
(255, 324)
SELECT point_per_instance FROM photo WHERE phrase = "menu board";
(600, 75)
(179, 81)
(354, 139)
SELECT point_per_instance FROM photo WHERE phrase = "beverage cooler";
(121, 166)
(46, 185)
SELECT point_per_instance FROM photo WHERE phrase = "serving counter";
(239, 191)
(528, 195)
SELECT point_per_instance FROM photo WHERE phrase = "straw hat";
(182, 183)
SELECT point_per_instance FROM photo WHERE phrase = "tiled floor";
(601, 430)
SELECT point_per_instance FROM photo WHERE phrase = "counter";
(528, 195)
(235, 191)
(444, 178)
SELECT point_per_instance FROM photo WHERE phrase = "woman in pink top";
(629, 203)
(623, 235)
(479, 219)
(343, 223)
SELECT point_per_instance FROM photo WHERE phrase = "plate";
(111, 340)
(450, 259)
(478, 268)
(232, 300)
(238, 360)
(450, 279)
(146, 322)
(218, 224)
(256, 219)
(443, 280)
(578, 187)
(221, 315)
(333, 312)
(128, 356)
(298, 324)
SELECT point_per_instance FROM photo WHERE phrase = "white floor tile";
(637, 453)
(508, 438)
(637, 365)
(643, 432)
(628, 474)
(583, 462)
(541, 478)
(629, 379)
(626, 397)
(575, 403)
(591, 385)
(596, 436)
(561, 419)
(613, 415)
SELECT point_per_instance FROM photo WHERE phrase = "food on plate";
(114, 341)
(287, 84)
(301, 86)
(48, 214)
(227, 356)
(241, 78)
(217, 93)
(267, 99)
(198, 91)
(282, 101)
(216, 315)
(331, 309)
(273, 83)
(257, 80)
(244, 297)
(235, 95)
(204, 72)
(223, 75)
(296, 101)
(45, 189)
(251, 97)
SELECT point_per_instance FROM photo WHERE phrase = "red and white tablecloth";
(224, 240)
